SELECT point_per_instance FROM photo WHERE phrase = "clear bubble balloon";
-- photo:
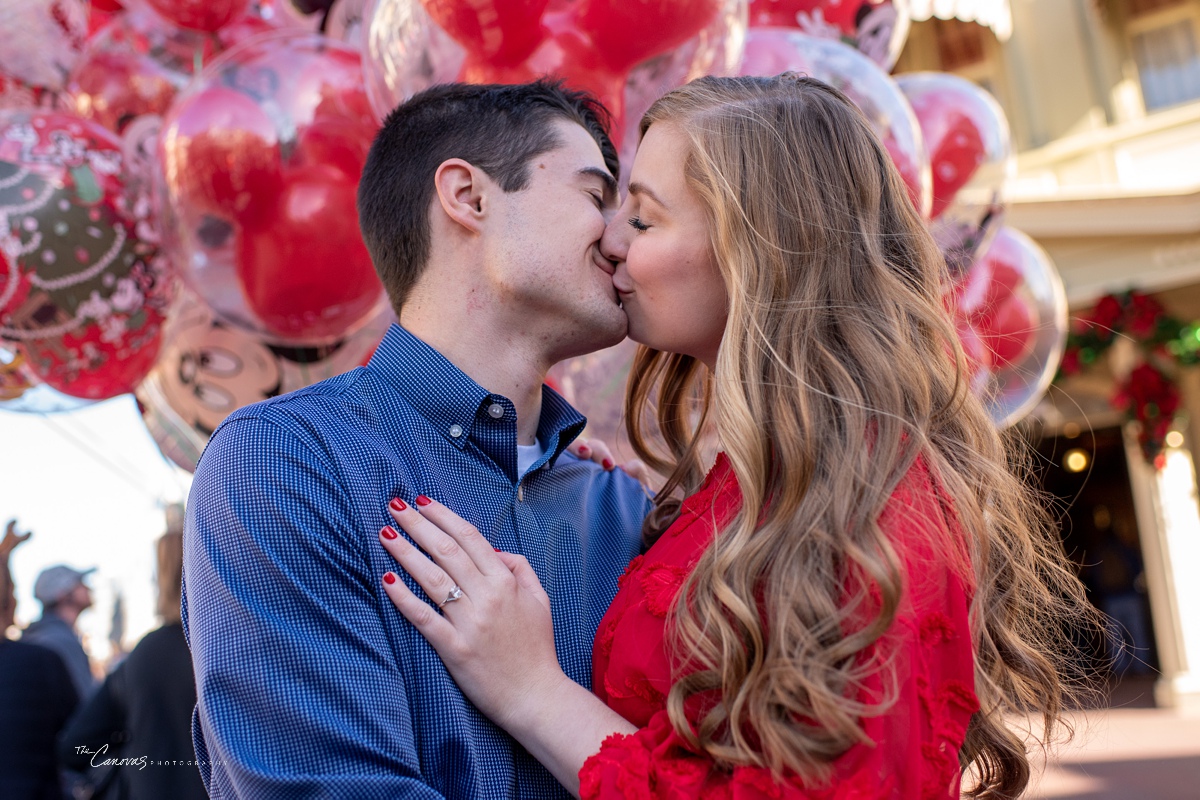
(138, 63)
(971, 156)
(597, 45)
(260, 160)
(876, 28)
(209, 368)
(1012, 308)
(770, 51)
(196, 15)
(80, 290)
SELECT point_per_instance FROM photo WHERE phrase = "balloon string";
(96, 456)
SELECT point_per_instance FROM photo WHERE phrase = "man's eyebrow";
(610, 183)
(641, 188)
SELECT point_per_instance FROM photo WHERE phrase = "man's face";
(545, 262)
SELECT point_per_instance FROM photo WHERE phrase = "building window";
(1163, 42)
(959, 44)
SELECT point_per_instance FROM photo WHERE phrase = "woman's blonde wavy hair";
(839, 367)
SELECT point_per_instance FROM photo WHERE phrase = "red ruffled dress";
(916, 742)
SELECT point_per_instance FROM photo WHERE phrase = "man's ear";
(461, 190)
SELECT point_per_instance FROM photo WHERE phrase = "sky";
(92, 487)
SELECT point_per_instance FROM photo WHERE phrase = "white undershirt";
(528, 455)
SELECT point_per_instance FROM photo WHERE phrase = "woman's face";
(666, 275)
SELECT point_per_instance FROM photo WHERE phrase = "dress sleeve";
(916, 741)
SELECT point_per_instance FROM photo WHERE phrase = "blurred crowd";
(69, 731)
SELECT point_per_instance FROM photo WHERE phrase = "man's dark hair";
(497, 128)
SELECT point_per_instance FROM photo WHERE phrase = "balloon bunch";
(178, 178)
(114, 227)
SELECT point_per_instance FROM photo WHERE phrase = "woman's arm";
(496, 638)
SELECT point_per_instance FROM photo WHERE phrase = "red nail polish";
(422, 500)
(389, 577)
(607, 463)
(584, 451)
(398, 504)
(388, 532)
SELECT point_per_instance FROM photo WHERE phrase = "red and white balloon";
(260, 164)
(1011, 311)
(970, 152)
(80, 291)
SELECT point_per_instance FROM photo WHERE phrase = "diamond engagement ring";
(455, 594)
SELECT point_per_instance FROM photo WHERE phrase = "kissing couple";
(416, 580)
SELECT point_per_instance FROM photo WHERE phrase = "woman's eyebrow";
(640, 188)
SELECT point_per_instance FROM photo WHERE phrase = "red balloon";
(222, 150)
(304, 269)
(113, 87)
(592, 44)
(955, 141)
(200, 15)
(991, 302)
(496, 32)
(625, 34)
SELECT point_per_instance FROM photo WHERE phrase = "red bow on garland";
(1149, 394)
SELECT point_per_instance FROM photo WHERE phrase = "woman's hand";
(495, 636)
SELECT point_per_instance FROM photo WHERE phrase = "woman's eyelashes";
(637, 224)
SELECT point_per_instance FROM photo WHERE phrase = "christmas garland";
(1149, 394)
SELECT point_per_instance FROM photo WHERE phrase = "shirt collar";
(452, 401)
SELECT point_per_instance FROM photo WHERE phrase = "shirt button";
(521, 492)
(456, 431)
(495, 411)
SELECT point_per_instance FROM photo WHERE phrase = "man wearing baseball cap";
(64, 596)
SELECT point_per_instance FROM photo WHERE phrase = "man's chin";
(598, 334)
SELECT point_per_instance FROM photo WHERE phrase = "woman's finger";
(442, 547)
(424, 617)
(466, 536)
(601, 454)
(580, 449)
(434, 580)
(593, 450)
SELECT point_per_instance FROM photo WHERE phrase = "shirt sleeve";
(299, 689)
(917, 739)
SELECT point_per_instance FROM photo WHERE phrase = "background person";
(64, 596)
(36, 699)
(144, 707)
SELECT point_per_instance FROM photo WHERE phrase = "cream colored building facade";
(1103, 98)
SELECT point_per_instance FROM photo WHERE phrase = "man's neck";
(65, 612)
(502, 361)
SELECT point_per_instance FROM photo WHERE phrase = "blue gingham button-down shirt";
(310, 683)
